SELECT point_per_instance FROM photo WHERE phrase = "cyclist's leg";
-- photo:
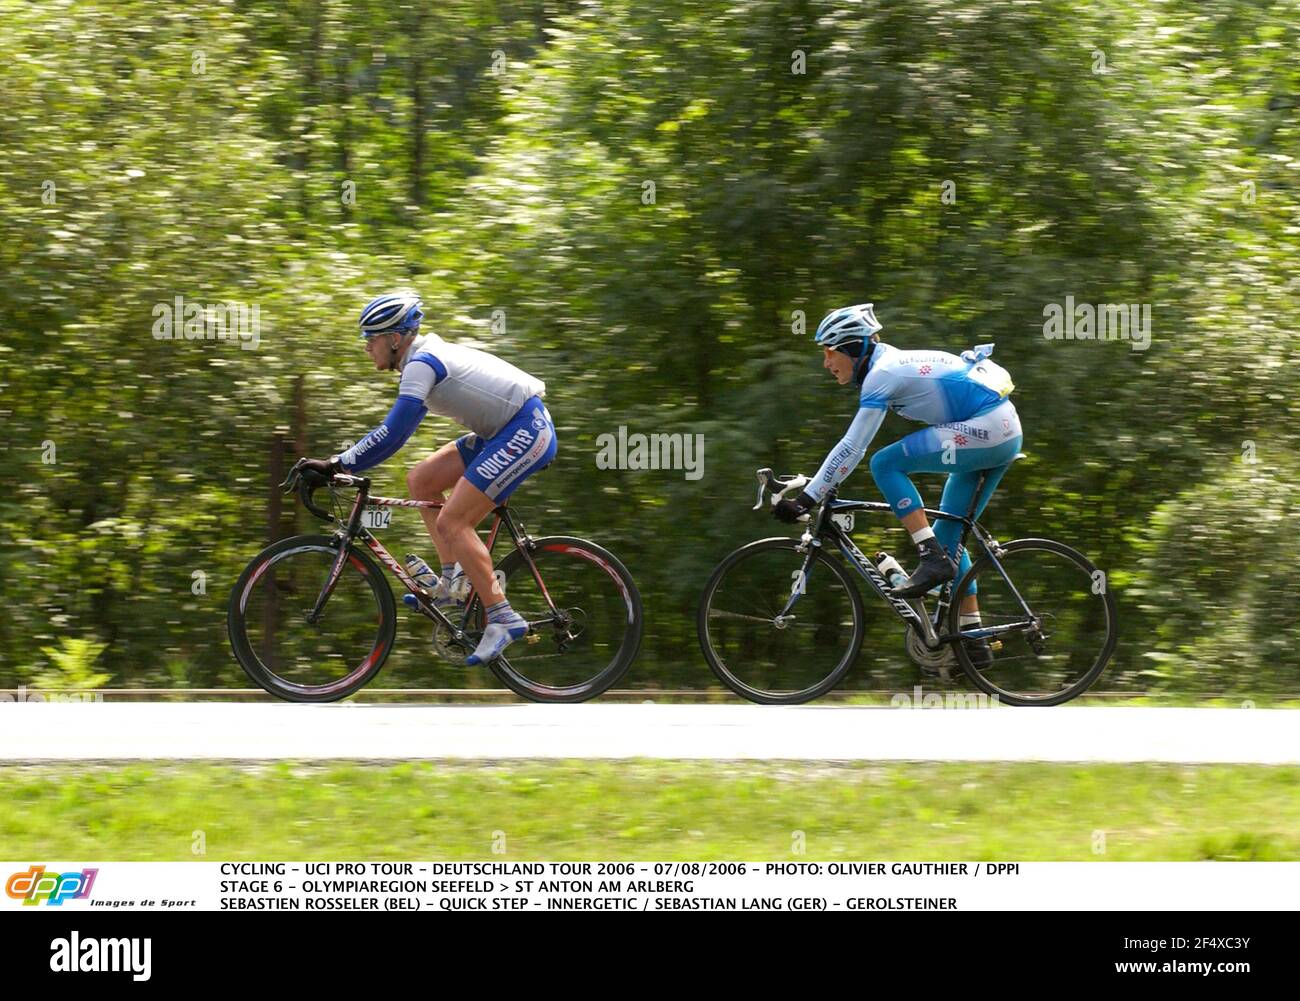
(1002, 425)
(962, 449)
(494, 468)
(958, 492)
(918, 452)
(494, 471)
(929, 451)
(890, 467)
(458, 538)
(994, 477)
(960, 501)
(430, 479)
(524, 446)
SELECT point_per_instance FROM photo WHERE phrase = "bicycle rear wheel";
(1055, 652)
(774, 659)
(301, 661)
(581, 650)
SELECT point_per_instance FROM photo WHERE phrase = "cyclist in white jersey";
(511, 436)
(973, 429)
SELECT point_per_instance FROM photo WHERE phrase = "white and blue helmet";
(846, 325)
(391, 313)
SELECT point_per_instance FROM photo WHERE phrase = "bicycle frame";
(927, 628)
(423, 604)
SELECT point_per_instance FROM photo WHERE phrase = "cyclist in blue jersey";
(511, 436)
(973, 426)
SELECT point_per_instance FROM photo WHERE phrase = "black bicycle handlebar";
(306, 483)
(306, 491)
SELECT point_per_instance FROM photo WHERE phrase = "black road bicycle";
(781, 620)
(312, 618)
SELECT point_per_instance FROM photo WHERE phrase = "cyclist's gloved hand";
(790, 511)
(317, 471)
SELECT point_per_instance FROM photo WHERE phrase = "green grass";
(642, 810)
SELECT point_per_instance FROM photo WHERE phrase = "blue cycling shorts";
(497, 465)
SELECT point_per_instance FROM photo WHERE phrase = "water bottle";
(888, 566)
(424, 574)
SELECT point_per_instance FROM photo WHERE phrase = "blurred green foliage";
(301, 156)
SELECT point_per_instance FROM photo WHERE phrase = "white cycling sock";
(503, 613)
(921, 534)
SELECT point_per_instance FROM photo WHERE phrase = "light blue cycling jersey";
(474, 388)
(933, 387)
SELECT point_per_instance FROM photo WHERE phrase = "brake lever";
(291, 479)
(762, 475)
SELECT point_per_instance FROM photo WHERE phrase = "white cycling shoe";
(496, 637)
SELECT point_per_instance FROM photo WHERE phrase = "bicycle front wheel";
(769, 654)
(1055, 619)
(585, 637)
(292, 657)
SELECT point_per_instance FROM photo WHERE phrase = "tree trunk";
(343, 91)
(417, 112)
(298, 429)
(310, 101)
(274, 514)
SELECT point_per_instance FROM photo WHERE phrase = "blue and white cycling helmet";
(849, 327)
(391, 313)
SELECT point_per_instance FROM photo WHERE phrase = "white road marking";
(254, 731)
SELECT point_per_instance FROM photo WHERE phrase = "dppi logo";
(36, 885)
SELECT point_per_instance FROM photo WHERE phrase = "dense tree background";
(1114, 151)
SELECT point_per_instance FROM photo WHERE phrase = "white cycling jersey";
(476, 389)
(473, 388)
(932, 387)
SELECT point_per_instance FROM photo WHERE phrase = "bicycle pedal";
(995, 645)
(533, 638)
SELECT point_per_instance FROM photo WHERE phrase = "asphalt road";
(249, 731)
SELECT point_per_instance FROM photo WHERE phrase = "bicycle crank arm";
(928, 634)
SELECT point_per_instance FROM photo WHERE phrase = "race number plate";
(376, 517)
(844, 519)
